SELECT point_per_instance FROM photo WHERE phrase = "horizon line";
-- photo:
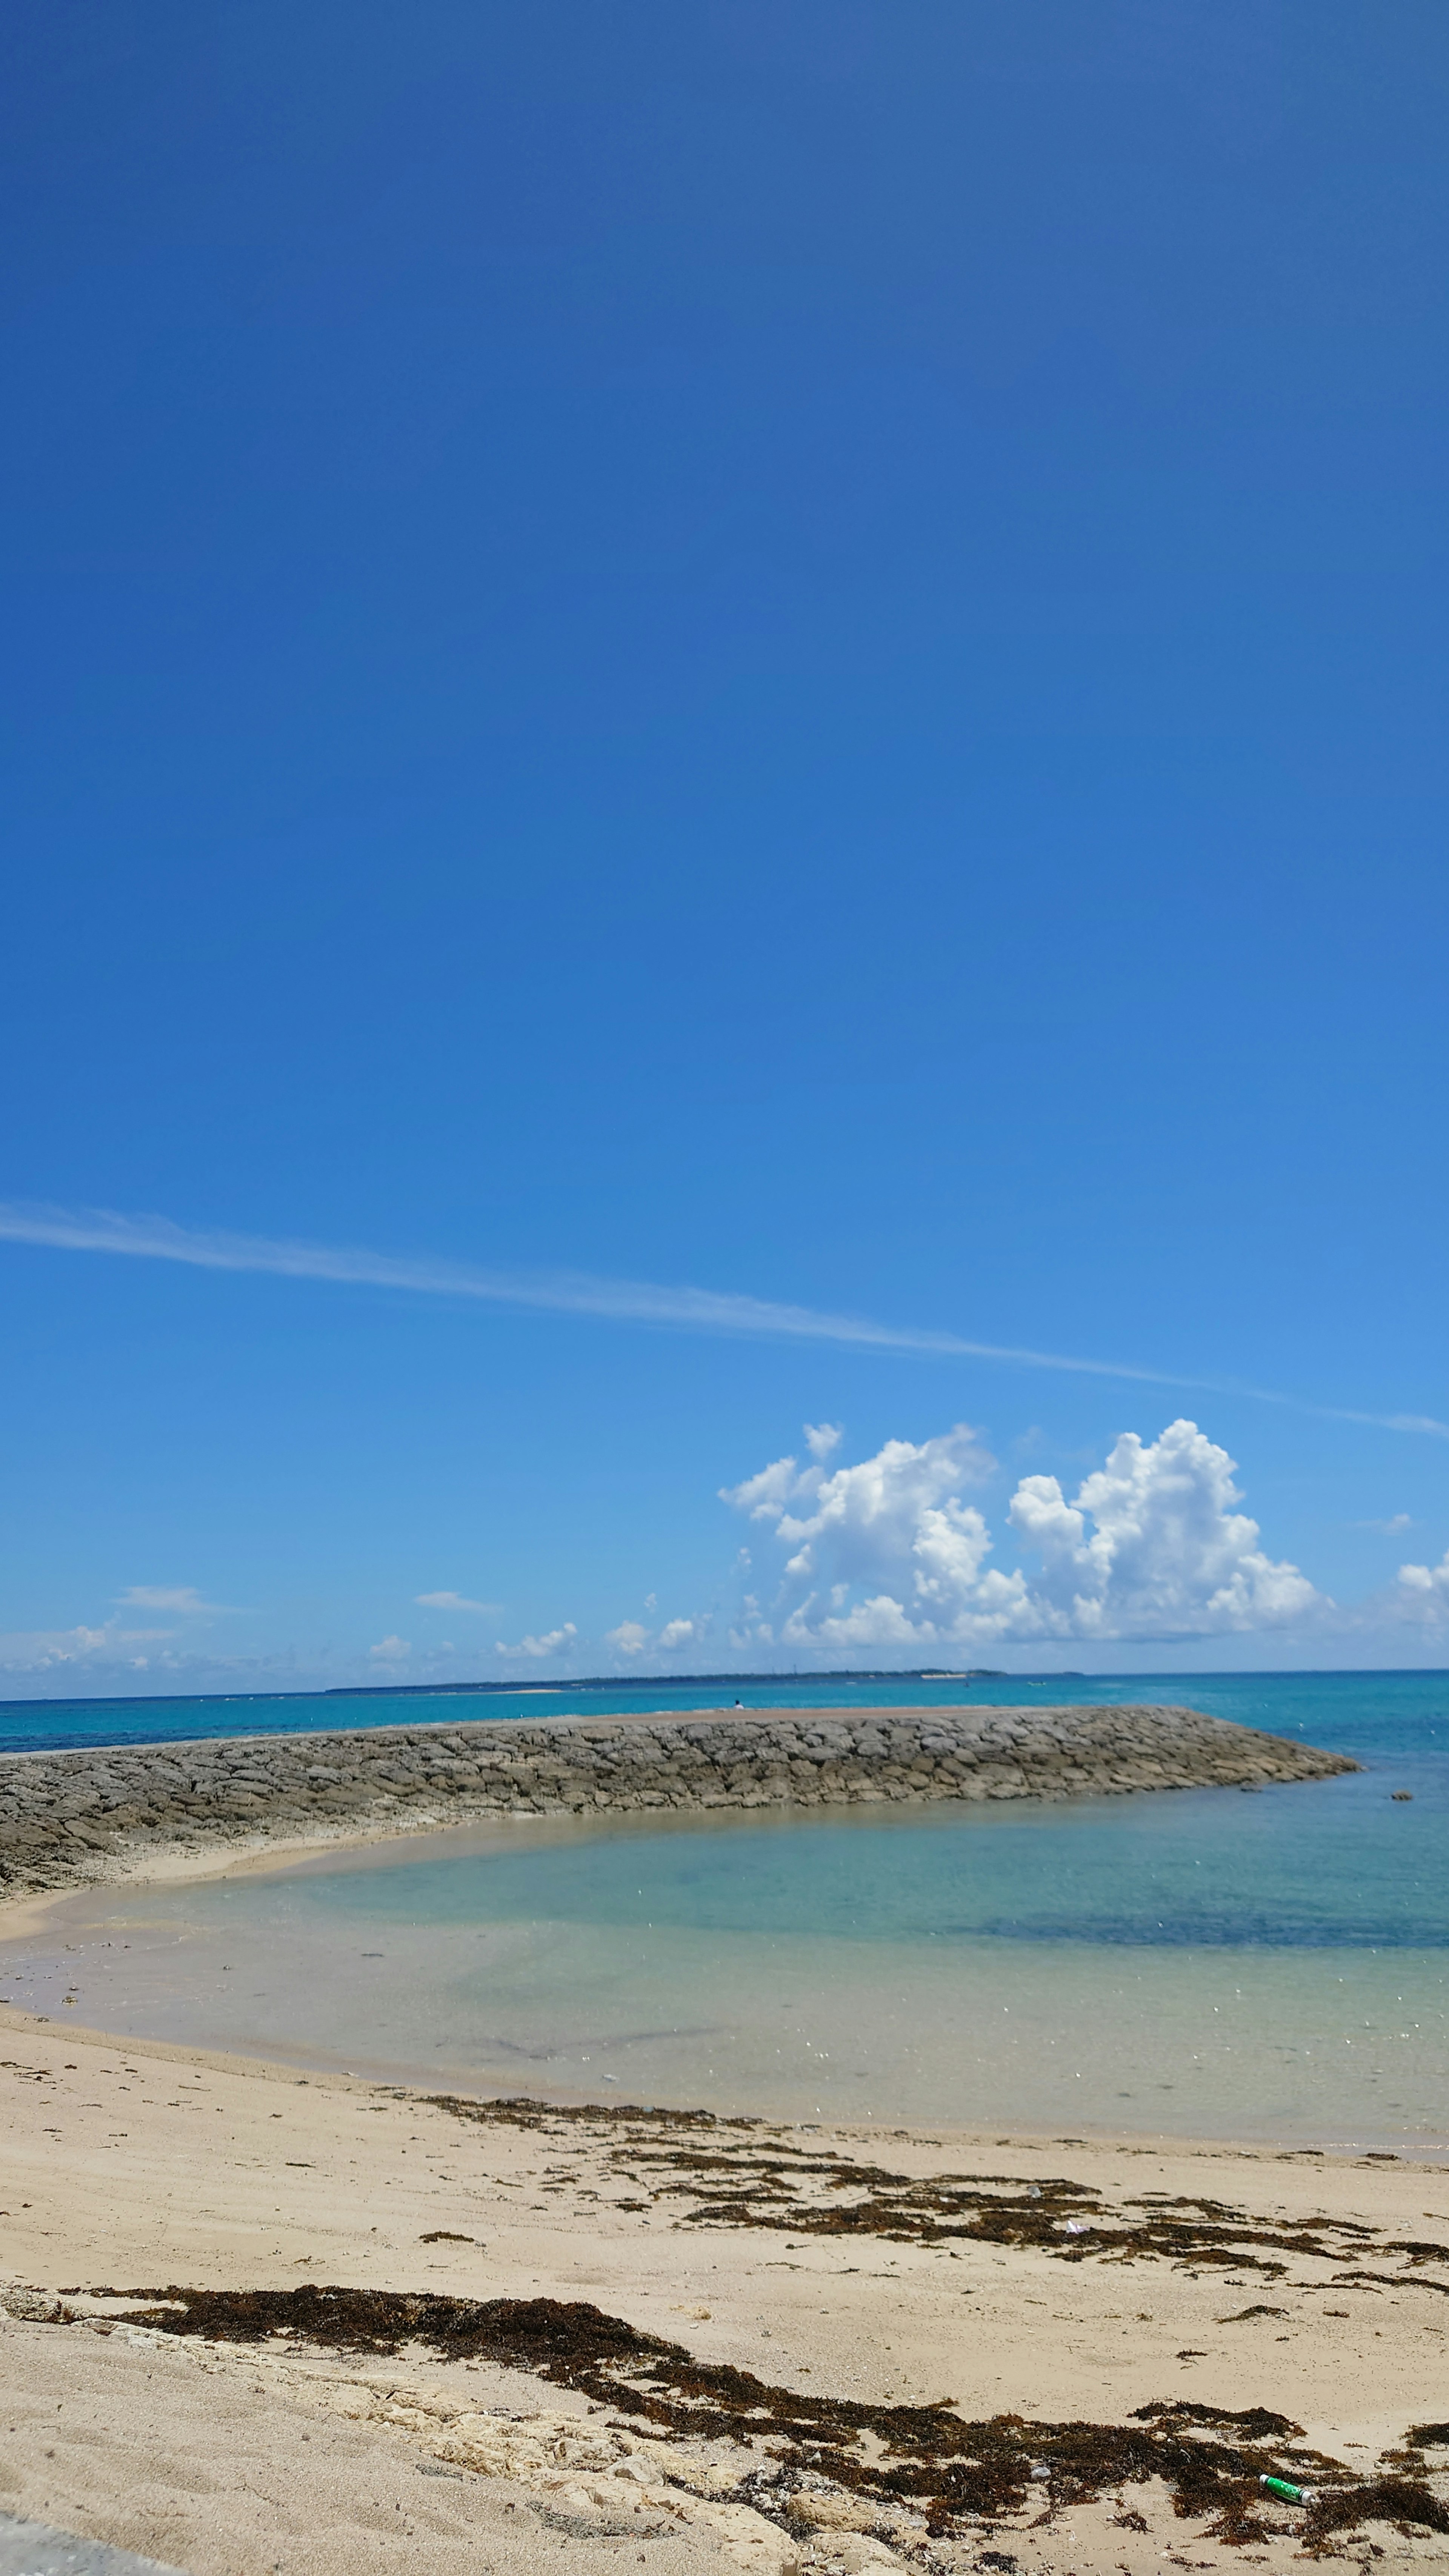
(726, 1311)
(683, 1681)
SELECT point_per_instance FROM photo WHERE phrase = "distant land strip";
(110, 1812)
(690, 1681)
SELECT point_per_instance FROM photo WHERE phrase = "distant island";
(676, 1681)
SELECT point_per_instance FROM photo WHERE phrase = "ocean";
(1271, 1967)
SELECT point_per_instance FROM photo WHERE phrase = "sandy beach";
(583, 2337)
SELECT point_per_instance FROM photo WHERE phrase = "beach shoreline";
(813, 1961)
(260, 2313)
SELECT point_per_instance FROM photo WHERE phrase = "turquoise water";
(1209, 1963)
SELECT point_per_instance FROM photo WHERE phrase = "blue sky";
(791, 652)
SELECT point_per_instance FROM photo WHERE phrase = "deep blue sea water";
(1199, 1963)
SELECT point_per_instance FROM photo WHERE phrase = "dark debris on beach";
(924, 2457)
(799, 2192)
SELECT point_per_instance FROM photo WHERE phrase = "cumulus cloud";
(454, 1601)
(680, 1632)
(889, 1554)
(551, 1644)
(1167, 1554)
(390, 1650)
(629, 1638)
(876, 1551)
(1424, 1590)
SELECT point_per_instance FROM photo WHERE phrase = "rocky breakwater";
(101, 1813)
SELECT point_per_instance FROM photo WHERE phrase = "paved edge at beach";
(35, 2549)
(110, 1812)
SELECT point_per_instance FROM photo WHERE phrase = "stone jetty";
(102, 1813)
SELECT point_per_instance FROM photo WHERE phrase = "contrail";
(634, 1301)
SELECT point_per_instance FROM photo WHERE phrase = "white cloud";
(888, 1554)
(182, 1598)
(390, 1650)
(1425, 1590)
(1168, 1556)
(538, 1646)
(642, 1301)
(632, 1639)
(823, 1438)
(454, 1601)
(895, 1514)
(48, 1650)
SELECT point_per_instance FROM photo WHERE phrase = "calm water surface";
(1199, 1964)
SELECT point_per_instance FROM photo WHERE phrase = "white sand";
(137, 2165)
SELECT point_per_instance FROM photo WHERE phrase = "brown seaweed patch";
(525, 2111)
(744, 2173)
(1255, 2422)
(1054, 2215)
(1402, 2501)
(927, 2457)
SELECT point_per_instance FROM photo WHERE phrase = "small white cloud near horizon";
(181, 1598)
(455, 1601)
(680, 1632)
(46, 1650)
(390, 1650)
(1425, 1589)
(553, 1643)
(887, 1554)
(632, 1639)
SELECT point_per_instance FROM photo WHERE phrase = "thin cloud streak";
(635, 1301)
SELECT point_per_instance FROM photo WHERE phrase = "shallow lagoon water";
(1271, 1966)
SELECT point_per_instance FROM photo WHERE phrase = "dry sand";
(141, 2166)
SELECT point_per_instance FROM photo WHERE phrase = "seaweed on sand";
(744, 2182)
(922, 2457)
(1402, 2501)
(525, 2111)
